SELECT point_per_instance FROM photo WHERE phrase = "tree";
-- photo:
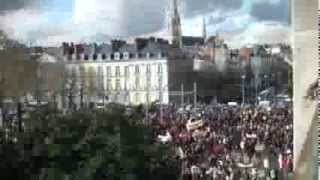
(84, 145)
(141, 158)
(17, 71)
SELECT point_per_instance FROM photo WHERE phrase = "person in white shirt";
(212, 173)
(196, 172)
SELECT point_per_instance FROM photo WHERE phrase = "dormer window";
(81, 56)
(126, 55)
(86, 57)
(95, 56)
(103, 56)
(108, 56)
(112, 56)
(130, 55)
(117, 56)
(151, 55)
(161, 55)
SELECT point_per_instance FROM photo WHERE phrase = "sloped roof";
(152, 48)
(105, 49)
(191, 40)
(130, 48)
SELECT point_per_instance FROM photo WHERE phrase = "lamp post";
(160, 98)
(273, 84)
(243, 77)
(38, 76)
(266, 83)
(2, 80)
(256, 89)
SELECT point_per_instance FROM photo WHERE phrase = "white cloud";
(18, 24)
(99, 14)
(260, 32)
(89, 18)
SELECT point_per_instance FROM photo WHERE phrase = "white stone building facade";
(120, 77)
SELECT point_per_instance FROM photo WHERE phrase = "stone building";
(120, 72)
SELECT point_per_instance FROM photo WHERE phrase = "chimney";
(65, 48)
(140, 43)
(117, 44)
(152, 39)
(71, 49)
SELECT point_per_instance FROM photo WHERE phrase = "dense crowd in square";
(227, 142)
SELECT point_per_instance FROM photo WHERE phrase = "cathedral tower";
(176, 31)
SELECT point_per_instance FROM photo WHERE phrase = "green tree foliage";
(83, 145)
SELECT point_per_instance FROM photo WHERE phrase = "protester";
(228, 142)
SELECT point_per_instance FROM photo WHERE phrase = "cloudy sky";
(53, 21)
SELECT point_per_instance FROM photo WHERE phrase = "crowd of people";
(221, 142)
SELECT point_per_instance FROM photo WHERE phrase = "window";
(117, 56)
(108, 71)
(148, 69)
(103, 56)
(117, 71)
(159, 68)
(136, 98)
(82, 71)
(95, 57)
(100, 72)
(125, 86)
(118, 84)
(126, 55)
(126, 71)
(160, 82)
(148, 81)
(86, 57)
(162, 55)
(137, 83)
(137, 69)
(109, 85)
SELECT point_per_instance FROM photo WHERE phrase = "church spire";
(176, 25)
(204, 29)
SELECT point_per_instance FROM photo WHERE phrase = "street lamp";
(273, 84)
(266, 83)
(243, 77)
(265, 80)
(256, 89)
